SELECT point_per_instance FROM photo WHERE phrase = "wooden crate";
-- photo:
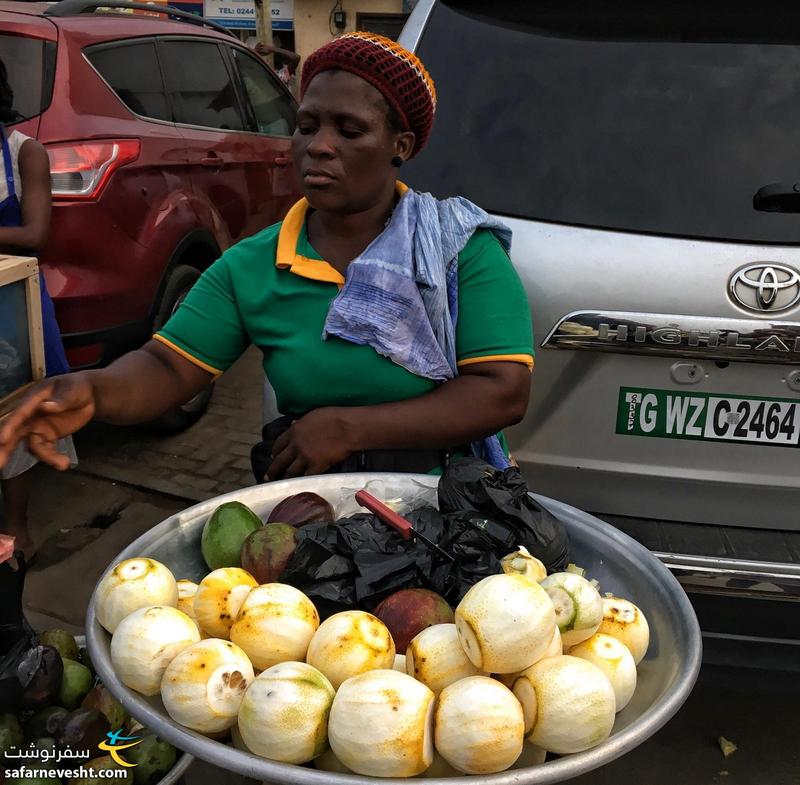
(19, 286)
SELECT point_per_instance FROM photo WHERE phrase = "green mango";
(62, 641)
(75, 684)
(45, 743)
(153, 757)
(85, 659)
(11, 734)
(225, 532)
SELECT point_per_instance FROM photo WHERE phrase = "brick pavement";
(210, 458)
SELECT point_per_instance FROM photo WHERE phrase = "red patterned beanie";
(387, 66)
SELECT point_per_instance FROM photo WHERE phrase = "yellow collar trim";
(286, 256)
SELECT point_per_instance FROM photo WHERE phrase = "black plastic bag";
(16, 635)
(356, 562)
(470, 485)
(486, 514)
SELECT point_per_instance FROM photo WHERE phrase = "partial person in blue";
(25, 206)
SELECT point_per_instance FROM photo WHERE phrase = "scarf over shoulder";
(401, 294)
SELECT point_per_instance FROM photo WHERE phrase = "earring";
(397, 161)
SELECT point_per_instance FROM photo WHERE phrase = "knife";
(398, 522)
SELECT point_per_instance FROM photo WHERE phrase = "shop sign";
(242, 13)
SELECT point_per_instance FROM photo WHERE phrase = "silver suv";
(644, 155)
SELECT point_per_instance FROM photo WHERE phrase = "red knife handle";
(397, 522)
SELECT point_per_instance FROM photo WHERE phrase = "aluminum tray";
(183, 761)
(621, 565)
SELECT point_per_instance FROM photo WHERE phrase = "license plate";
(665, 414)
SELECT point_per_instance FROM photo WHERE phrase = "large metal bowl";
(183, 761)
(621, 565)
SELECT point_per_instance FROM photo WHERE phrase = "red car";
(168, 141)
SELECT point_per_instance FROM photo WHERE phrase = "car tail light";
(80, 170)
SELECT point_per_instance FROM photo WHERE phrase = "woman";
(352, 298)
(24, 225)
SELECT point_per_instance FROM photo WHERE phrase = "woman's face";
(343, 144)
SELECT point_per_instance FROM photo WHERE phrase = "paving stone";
(240, 449)
(243, 464)
(229, 487)
(192, 464)
(45, 589)
(216, 466)
(195, 481)
(243, 437)
(227, 411)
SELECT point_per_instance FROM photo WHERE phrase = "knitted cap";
(387, 66)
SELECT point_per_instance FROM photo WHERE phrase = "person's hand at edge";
(55, 408)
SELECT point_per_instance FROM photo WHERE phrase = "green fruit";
(45, 743)
(37, 781)
(153, 758)
(102, 763)
(225, 532)
(85, 659)
(76, 683)
(62, 641)
(10, 734)
(45, 722)
(102, 700)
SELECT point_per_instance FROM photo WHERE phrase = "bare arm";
(138, 387)
(266, 50)
(34, 171)
(484, 399)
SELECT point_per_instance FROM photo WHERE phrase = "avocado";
(225, 532)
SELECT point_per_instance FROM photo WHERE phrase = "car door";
(210, 116)
(270, 113)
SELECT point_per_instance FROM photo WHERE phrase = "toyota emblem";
(766, 286)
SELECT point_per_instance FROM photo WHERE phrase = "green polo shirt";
(274, 290)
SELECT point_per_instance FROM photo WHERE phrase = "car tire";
(180, 281)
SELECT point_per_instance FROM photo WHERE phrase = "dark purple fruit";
(409, 611)
(302, 508)
(268, 550)
(39, 673)
(83, 729)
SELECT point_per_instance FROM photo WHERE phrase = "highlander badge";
(747, 340)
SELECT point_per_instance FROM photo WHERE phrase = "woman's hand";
(486, 398)
(313, 443)
(53, 409)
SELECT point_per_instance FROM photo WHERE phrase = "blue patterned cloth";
(401, 294)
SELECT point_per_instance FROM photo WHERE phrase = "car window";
(273, 109)
(30, 64)
(200, 85)
(660, 117)
(133, 73)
